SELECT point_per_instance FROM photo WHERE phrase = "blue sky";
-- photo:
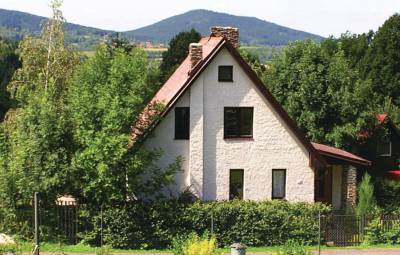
(323, 17)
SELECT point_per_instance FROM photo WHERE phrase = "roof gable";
(185, 76)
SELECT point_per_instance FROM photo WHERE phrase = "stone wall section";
(349, 187)
(230, 33)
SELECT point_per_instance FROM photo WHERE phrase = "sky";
(322, 17)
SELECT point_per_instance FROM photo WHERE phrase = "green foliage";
(294, 248)
(196, 245)
(105, 96)
(387, 193)
(382, 61)
(70, 130)
(9, 62)
(264, 53)
(333, 89)
(321, 92)
(177, 51)
(366, 200)
(10, 249)
(34, 152)
(253, 60)
(375, 233)
(160, 224)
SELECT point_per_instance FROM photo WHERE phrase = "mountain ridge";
(254, 31)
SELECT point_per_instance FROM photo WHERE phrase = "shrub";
(160, 224)
(294, 248)
(366, 201)
(196, 245)
(375, 233)
(387, 193)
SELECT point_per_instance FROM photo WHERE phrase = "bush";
(366, 201)
(294, 248)
(195, 245)
(375, 233)
(387, 193)
(158, 225)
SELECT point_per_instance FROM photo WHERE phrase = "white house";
(236, 139)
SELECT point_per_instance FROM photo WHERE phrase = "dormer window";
(384, 148)
(225, 73)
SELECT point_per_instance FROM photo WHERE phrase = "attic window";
(225, 73)
(182, 117)
(384, 148)
(238, 122)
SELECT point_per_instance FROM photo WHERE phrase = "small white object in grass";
(5, 239)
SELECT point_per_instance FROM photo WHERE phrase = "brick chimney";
(195, 53)
(230, 33)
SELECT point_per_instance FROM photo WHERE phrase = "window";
(182, 117)
(278, 183)
(236, 184)
(225, 73)
(384, 147)
(238, 122)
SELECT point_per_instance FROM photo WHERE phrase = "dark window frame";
(230, 183)
(379, 145)
(178, 134)
(239, 125)
(284, 183)
(220, 70)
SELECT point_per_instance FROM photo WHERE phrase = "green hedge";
(156, 225)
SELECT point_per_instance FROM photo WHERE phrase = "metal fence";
(349, 230)
(65, 223)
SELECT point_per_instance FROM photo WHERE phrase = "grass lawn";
(80, 248)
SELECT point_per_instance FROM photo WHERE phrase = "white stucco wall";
(210, 156)
(272, 146)
(163, 137)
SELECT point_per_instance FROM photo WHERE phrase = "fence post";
(319, 232)
(36, 212)
(101, 228)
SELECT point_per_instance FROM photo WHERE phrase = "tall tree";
(9, 62)
(382, 64)
(321, 92)
(34, 136)
(107, 94)
(177, 51)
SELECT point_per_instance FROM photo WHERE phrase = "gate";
(344, 230)
(349, 230)
(59, 223)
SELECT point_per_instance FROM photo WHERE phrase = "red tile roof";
(177, 80)
(330, 151)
